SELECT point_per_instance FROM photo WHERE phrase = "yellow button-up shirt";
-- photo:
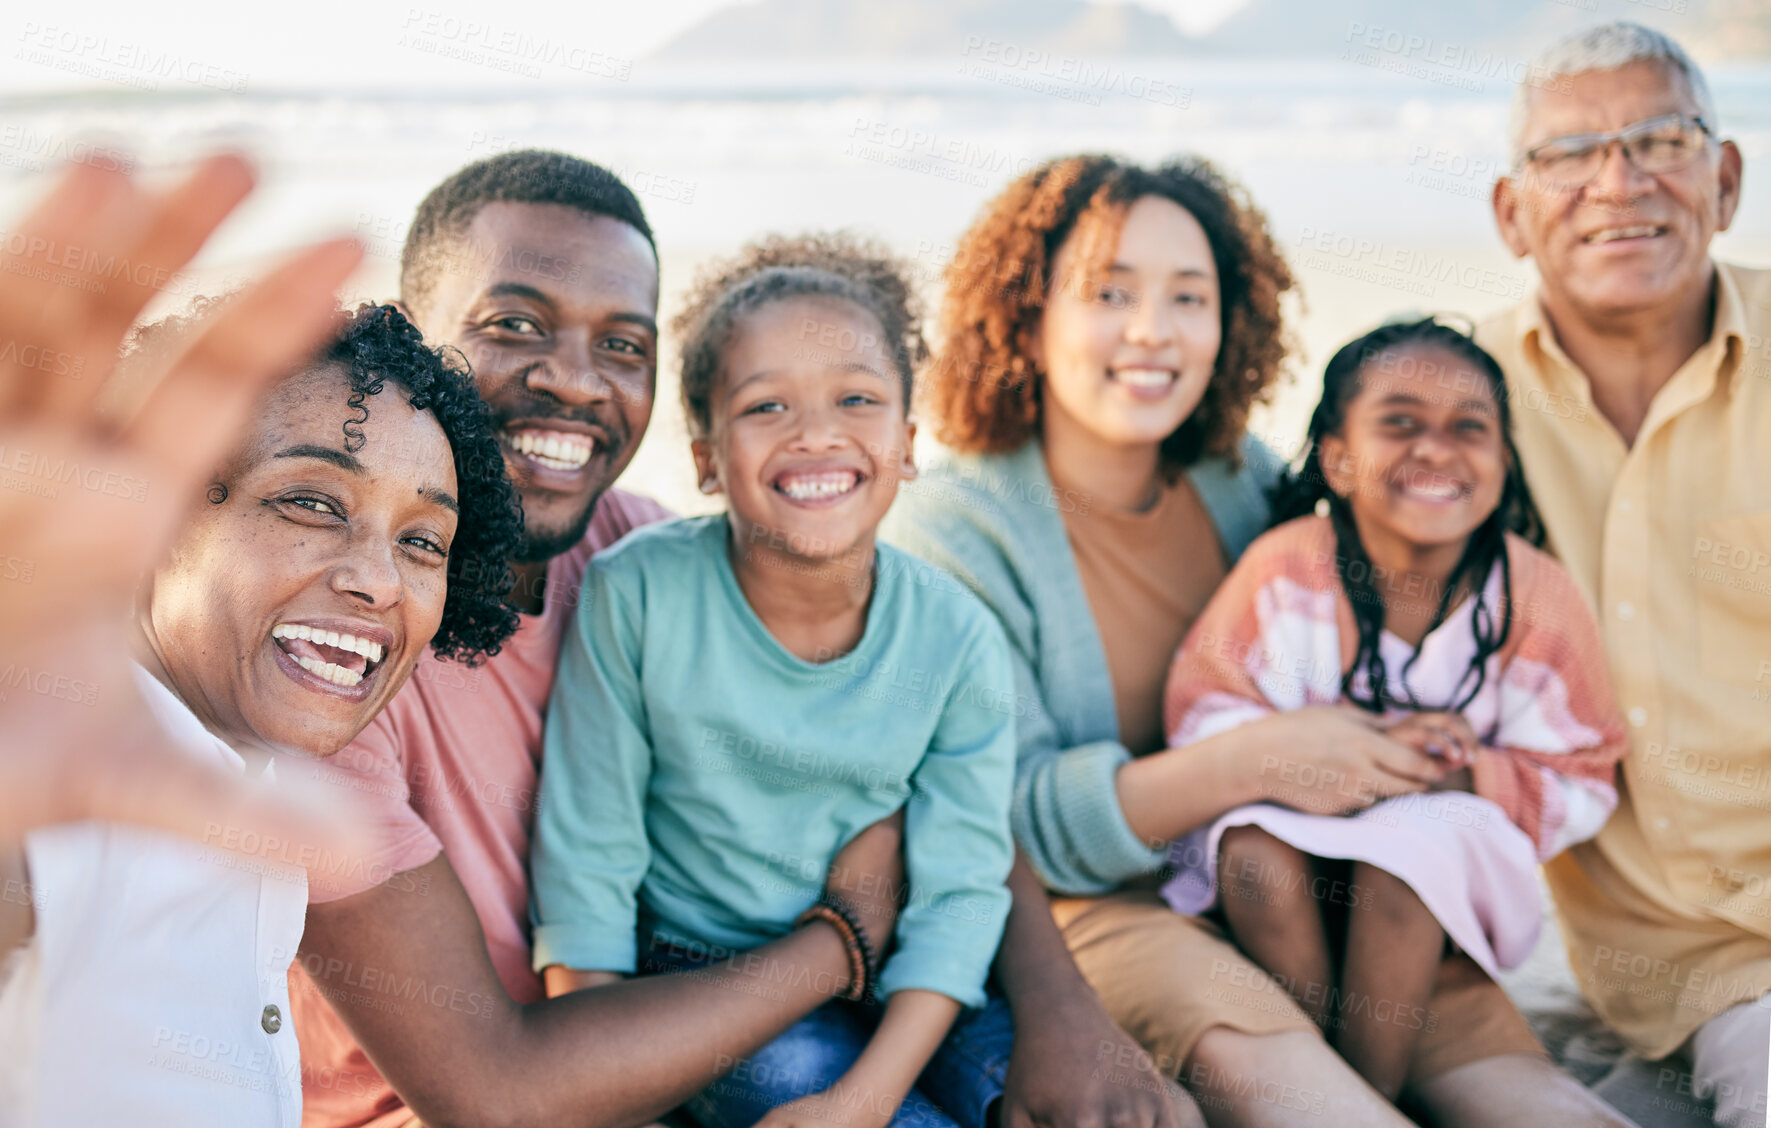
(1668, 912)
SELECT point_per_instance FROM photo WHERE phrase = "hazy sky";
(235, 44)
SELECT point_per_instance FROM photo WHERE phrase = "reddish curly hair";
(983, 393)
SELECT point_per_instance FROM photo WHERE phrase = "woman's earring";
(709, 484)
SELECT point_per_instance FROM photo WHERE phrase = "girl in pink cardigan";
(1397, 583)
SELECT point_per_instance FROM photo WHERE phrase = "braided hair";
(1307, 490)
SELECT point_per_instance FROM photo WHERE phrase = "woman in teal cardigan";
(1105, 332)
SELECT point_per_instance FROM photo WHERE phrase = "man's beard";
(544, 544)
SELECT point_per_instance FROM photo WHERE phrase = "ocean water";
(1374, 171)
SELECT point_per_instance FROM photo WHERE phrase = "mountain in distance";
(912, 29)
(1709, 29)
(1300, 29)
(817, 30)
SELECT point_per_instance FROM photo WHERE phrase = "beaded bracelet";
(863, 964)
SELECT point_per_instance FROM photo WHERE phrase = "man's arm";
(436, 1021)
(1067, 1048)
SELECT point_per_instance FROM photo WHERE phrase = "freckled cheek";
(425, 585)
(267, 563)
(425, 598)
(296, 563)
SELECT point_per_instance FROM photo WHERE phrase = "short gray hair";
(1606, 47)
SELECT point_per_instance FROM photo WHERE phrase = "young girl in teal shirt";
(741, 694)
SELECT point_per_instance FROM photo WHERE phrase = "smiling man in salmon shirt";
(539, 267)
(1643, 381)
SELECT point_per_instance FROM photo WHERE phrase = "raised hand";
(92, 490)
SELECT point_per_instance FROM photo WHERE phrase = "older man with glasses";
(1643, 381)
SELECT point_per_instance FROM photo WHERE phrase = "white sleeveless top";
(153, 991)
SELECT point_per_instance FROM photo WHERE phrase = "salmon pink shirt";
(450, 765)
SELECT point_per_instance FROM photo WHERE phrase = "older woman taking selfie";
(365, 516)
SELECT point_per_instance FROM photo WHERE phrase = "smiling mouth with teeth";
(815, 487)
(554, 450)
(1612, 234)
(1144, 378)
(342, 659)
(1436, 491)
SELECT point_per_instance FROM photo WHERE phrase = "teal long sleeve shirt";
(698, 777)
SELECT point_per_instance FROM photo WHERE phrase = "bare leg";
(1289, 1080)
(1393, 951)
(1265, 885)
(1514, 1089)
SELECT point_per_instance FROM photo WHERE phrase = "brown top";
(1147, 575)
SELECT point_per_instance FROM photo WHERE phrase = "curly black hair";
(524, 176)
(376, 345)
(1299, 494)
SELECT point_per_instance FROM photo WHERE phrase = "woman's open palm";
(94, 483)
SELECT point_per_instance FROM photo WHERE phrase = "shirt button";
(271, 1019)
(1660, 824)
(1638, 716)
(1624, 506)
(1626, 610)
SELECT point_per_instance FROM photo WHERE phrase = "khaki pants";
(1167, 978)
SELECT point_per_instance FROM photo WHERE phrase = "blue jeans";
(956, 1089)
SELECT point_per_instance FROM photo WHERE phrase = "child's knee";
(1253, 863)
(1387, 897)
(1255, 855)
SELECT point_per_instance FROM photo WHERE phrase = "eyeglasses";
(1657, 145)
